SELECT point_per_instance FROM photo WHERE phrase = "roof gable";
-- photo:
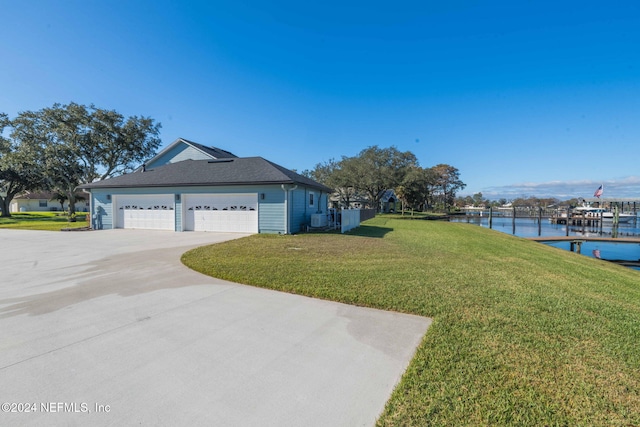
(182, 149)
(387, 195)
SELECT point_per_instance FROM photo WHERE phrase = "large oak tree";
(375, 170)
(370, 173)
(77, 144)
(19, 168)
(336, 175)
(415, 189)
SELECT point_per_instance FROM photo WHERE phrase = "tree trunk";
(5, 203)
(71, 197)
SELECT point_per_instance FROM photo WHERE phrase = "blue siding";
(301, 210)
(298, 210)
(177, 154)
(271, 210)
(101, 213)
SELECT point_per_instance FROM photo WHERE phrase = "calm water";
(529, 227)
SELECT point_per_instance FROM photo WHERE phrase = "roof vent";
(220, 160)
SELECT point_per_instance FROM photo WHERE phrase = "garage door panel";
(222, 213)
(150, 212)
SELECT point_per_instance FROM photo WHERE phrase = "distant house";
(357, 201)
(360, 200)
(388, 201)
(192, 187)
(44, 202)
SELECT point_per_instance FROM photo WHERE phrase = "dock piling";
(576, 246)
(490, 216)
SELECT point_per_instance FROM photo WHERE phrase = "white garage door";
(236, 213)
(151, 212)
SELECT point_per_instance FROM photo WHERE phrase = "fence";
(349, 219)
(366, 214)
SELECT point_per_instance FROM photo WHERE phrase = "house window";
(43, 203)
(311, 199)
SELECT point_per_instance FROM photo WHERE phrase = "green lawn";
(415, 215)
(51, 221)
(523, 334)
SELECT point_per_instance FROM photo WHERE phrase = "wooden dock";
(587, 238)
(576, 220)
(577, 241)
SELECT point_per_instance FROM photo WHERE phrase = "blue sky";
(525, 98)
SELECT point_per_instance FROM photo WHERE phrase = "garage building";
(191, 187)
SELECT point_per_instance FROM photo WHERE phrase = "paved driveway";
(109, 328)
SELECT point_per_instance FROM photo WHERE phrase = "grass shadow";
(369, 231)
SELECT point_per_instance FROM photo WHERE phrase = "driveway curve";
(109, 328)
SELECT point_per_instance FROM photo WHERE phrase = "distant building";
(361, 200)
(44, 201)
(388, 201)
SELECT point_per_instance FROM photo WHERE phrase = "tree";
(80, 144)
(478, 200)
(401, 194)
(62, 197)
(415, 187)
(334, 174)
(19, 168)
(55, 135)
(448, 182)
(375, 169)
(370, 173)
(114, 145)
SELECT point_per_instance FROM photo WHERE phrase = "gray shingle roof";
(217, 153)
(230, 171)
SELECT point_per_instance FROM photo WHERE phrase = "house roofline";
(217, 184)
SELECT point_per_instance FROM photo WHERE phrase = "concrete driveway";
(109, 328)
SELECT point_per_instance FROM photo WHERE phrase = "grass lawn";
(51, 221)
(523, 333)
(416, 215)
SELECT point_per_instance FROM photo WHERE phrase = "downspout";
(286, 217)
(286, 206)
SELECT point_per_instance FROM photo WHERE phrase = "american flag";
(598, 192)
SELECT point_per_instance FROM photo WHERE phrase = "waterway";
(627, 254)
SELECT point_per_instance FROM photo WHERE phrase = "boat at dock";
(590, 215)
(600, 213)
